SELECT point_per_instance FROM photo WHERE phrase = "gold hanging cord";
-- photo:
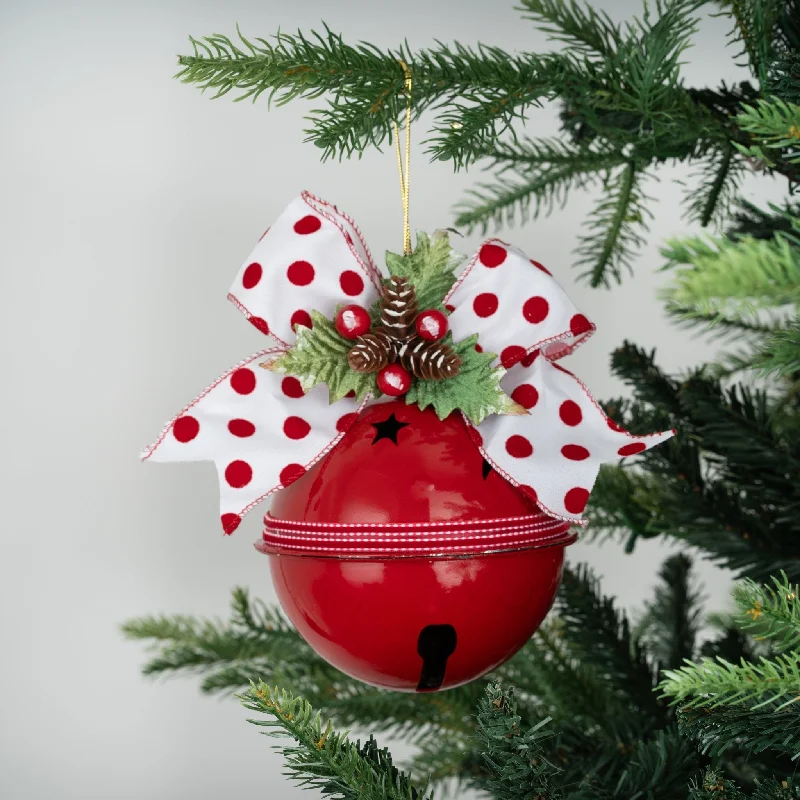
(405, 176)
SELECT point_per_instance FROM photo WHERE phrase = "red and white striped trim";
(505, 523)
(413, 539)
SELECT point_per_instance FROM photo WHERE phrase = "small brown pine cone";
(428, 360)
(398, 307)
(371, 352)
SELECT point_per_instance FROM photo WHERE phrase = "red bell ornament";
(414, 549)
(405, 560)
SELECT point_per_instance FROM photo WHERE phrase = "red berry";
(353, 321)
(431, 324)
(394, 380)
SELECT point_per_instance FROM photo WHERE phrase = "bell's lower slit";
(436, 643)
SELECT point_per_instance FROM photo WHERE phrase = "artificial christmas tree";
(587, 718)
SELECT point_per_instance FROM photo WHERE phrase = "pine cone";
(398, 307)
(371, 352)
(428, 360)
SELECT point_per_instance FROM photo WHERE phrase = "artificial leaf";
(430, 268)
(320, 356)
(475, 390)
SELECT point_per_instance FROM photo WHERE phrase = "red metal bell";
(405, 560)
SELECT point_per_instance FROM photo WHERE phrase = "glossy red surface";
(432, 473)
(431, 324)
(412, 623)
(394, 380)
(352, 321)
(367, 617)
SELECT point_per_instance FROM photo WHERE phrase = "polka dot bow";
(263, 431)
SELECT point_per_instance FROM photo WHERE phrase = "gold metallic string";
(405, 176)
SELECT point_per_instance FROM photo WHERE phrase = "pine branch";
(732, 281)
(712, 203)
(615, 226)
(257, 642)
(755, 22)
(325, 759)
(779, 354)
(741, 437)
(658, 769)
(513, 757)
(718, 683)
(547, 173)
(748, 219)
(773, 611)
(600, 635)
(715, 786)
(717, 731)
(367, 86)
(370, 84)
(737, 427)
(775, 125)
(648, 63)
(554, 680)
(671, 620)
(452, 763)
(487, 99)
(534, 154)
(585, 30)
(625, 503)
(724, 483)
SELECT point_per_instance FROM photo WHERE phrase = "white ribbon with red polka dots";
(519, 311)
(263, 431)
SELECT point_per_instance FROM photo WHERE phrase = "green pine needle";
(585, 29)
(514, 757)
(615, 229)
(729, 284)
(775, 124)
(320, 356)
(714, 683)
(671, 621)
(771, 612)
(324, 758)
(722, 731)
(475, 391)
(779, 353)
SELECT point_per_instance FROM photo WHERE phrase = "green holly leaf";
(320, 356)
(431, 268)
(475, 390)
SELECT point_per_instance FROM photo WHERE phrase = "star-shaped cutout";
(388, 429)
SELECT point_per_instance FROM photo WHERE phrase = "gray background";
(127, 202)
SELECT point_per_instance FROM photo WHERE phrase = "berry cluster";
(406, 343)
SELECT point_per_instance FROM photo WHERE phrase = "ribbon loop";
(312, 258)
(515, 306)
(261, 430)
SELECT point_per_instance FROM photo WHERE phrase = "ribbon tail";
(261, 430)
(554, 453)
